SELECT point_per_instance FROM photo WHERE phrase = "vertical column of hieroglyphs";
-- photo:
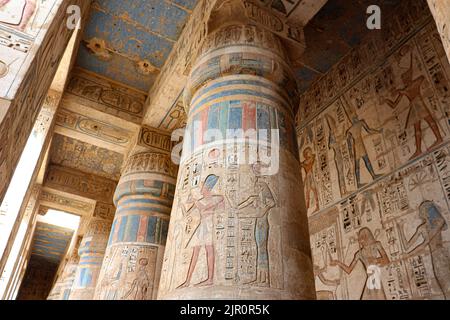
(92, 252)
(144, 196)
(441, 12)
(237, 228)
(63, 286)
(373, 136)
(33, 37)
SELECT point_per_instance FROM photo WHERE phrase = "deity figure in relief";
(430, 231)
(258, 206)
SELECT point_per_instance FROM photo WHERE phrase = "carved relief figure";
(334, 143)
(370, 253)
(26, 12)
(202, 234)
(140, 284)
(110, 283)
(433, 224)
(258, 205)
(310, 184)
(417, 108)
(356, 144)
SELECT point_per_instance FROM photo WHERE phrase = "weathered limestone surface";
(237, 228)
(91, 252)
(441, 12)
(132, 264)
(29, 57)
(374, 144)
(14, 261)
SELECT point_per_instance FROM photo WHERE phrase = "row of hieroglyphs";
(374, 157)
(95, 128)
(27, 74)
(80, 183)
(107, 96)
(64, 202)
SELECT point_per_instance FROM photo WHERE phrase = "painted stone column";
(92, 252)
(441, 12)
(238, 226)
(144, 196)
(63, 285)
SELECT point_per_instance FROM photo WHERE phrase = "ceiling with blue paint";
(129, 40)
(51, 242)
(338, 27)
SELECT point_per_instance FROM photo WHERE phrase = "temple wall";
(237, 230)
(374, 144)
(33, 37)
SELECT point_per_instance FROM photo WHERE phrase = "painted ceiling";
(129, 40)
(50, 242)
(339, 27)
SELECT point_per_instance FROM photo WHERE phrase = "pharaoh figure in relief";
(418, 110)
(201, 235)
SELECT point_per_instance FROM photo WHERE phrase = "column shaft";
(92, 252)
(238, 226)
(133, 259)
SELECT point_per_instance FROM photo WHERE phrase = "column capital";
(263, 15)
(238, 51)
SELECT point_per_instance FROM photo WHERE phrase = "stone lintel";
(80, 183)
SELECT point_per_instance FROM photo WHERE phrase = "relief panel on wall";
(107, 96)
(391, 116)
(396, 231)
(374, 156)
